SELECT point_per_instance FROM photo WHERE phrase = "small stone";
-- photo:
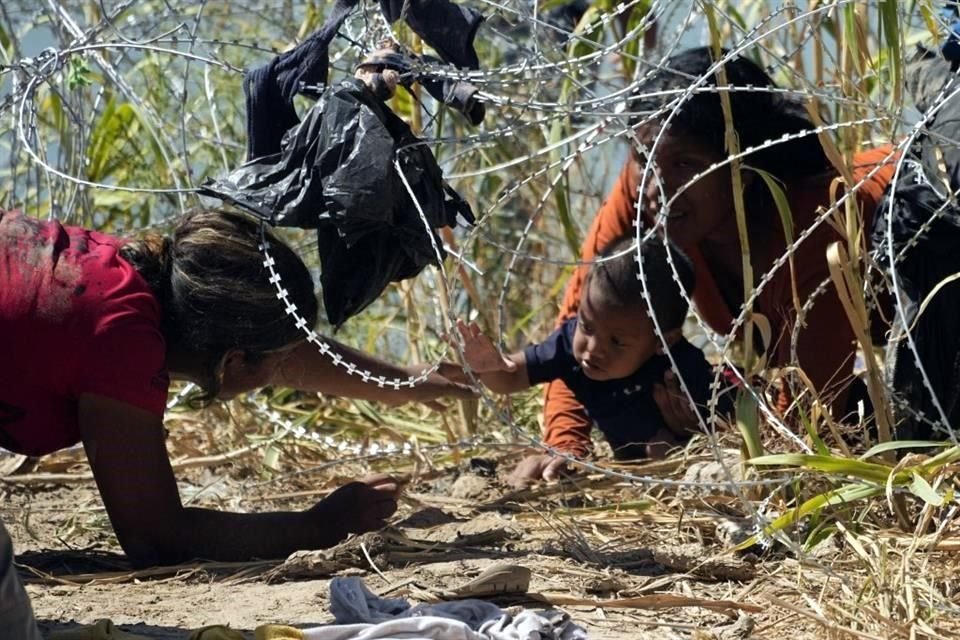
(714, 475)
(469, 486)
(739, 630)
(603, 585)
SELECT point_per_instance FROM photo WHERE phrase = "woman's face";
(241, 374)
(700, 211)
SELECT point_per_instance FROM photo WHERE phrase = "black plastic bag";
(335, 172)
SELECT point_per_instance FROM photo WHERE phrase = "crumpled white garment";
(417, 628)
(361, 615)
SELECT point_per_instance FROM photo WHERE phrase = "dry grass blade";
(179, 571)
(655, 601)
(86, 476)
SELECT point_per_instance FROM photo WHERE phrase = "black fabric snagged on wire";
(335, 172)
(925, 223)
(270, 89)
(448, 28)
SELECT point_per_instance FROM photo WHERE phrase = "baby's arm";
(498, 372)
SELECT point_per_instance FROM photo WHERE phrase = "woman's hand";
(357, 507)
(681, 418)
(448, 381)
(308, 369)
(537, 467)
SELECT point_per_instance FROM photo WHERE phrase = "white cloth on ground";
(419, 628)
(361, 615)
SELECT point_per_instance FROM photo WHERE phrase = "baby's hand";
(479, 352)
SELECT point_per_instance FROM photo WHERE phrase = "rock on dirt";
(697, 560)
(470, 486)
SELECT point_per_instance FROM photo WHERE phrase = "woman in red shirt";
(91, 330)
(701, 219)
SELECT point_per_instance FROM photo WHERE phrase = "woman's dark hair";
(617, 283)
(215, 293)
(758, 115)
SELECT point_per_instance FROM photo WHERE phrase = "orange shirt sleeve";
(566, 423)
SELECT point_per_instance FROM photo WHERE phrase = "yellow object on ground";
(216, 632)
(277, 632)
(101, 630)
(105, 630)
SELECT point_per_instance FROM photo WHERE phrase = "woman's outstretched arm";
(309, 370)
(127, 452)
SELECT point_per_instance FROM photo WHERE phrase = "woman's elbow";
(150, 548)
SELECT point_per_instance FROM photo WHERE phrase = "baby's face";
(612, 342)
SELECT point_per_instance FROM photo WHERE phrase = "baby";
(609, 355)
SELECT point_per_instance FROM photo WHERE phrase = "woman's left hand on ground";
(360, 506)
(674, 405)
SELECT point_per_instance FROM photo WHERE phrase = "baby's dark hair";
(615, 281)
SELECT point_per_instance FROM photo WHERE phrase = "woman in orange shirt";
(700, 217)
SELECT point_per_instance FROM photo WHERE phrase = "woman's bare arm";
(127, 452)
(309, 370)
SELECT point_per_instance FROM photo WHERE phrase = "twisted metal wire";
(526, 97)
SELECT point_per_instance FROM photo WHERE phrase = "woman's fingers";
(441, 386)
(380, 481)
(535, 468)
(460, 392)
(527, 471)
(362, 505)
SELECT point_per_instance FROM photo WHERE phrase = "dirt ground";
(621, 561)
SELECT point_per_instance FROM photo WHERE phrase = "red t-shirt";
(75, 318)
